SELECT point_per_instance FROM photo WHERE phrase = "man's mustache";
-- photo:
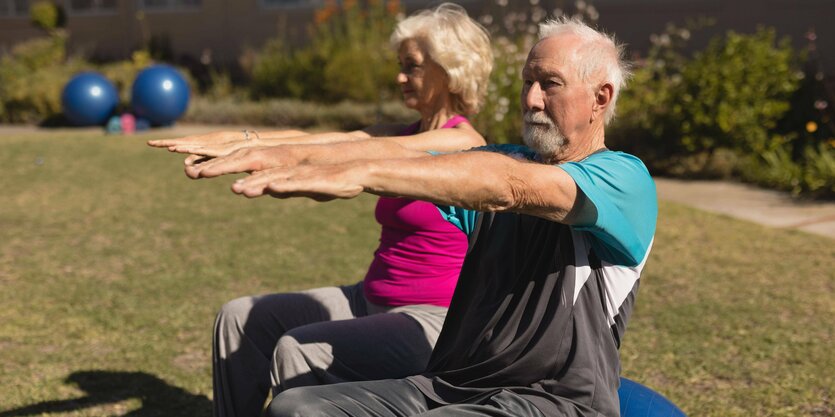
(537, 118)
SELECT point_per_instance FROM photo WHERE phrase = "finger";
(289, 188)
(211, 151)
(164, 143)
(195, 160)
(195, 165)
(224, 165)
(316, 196)
(192, 149)
(316, 188)
(255, 184)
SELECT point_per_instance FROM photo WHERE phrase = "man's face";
(557, 104)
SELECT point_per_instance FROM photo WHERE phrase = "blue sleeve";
(516, 151)
(623, 194)
(461, 218)
(465, 219)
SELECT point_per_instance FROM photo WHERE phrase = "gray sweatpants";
(320, 336)
(392, 398)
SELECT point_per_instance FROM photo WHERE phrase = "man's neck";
(577, 150)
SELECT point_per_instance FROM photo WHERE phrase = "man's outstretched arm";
(285, 156)
(483, 181)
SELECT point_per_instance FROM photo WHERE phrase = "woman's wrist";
(251, 135)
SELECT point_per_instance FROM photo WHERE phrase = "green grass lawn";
(113, 263)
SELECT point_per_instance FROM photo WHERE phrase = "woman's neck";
(435, 120)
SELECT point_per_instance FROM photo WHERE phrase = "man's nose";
(532, 98)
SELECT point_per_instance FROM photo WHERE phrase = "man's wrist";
(365, 172)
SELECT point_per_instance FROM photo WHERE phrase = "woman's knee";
(286, 348)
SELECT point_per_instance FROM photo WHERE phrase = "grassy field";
(113, 263)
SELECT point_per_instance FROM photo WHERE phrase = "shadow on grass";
(111, 387)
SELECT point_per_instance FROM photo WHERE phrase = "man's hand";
(318, 182)
(242, 160)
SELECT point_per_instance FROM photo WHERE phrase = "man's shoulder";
(614, 157)
(611, 167)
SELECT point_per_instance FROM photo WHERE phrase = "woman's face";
(424, 83)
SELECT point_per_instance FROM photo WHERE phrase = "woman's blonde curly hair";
(459, 45)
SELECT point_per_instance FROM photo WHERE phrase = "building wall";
(224, 29)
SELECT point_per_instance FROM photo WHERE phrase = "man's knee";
(233, 315)
(298, 402)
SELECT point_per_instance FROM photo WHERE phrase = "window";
(14, 8)
(92, 6)
(276, 4)
(169, 5)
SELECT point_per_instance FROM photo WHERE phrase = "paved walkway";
(741, 201)
(745, 202)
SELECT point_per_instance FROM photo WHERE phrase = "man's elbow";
(505, 197)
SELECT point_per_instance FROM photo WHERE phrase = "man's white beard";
(541, 134)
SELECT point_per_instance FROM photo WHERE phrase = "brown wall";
(228, 27)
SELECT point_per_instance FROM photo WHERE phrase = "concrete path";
(746, 202)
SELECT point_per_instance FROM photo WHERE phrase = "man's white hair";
(600, 56)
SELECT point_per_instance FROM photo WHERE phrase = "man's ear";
(602, 98)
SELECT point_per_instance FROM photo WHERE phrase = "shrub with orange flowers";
(347, 57)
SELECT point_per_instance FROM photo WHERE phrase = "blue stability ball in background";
(637, 400)
(159, 94)
(89, 99)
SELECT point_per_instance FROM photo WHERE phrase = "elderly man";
(549, 283)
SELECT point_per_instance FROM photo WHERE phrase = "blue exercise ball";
(160, 94)
(637, 400)
(89, 99)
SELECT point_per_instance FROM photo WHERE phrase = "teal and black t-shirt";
(540, 307)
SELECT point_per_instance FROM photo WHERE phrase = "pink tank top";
(420, 252)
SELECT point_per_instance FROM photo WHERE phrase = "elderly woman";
(386, 325)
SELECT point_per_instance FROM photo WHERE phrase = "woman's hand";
(208, 139)
(217, 150)
(318, 182)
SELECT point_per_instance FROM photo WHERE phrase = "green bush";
(34, 74)
(347, 57)
(731, 95)
(500, 119)
(122, 73)
(813, 175)
(32, 77)
(46, 15)
(740, 108)
(735, 91)
(280, 113)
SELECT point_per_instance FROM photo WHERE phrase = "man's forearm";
(482, 181)
(352, 151)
